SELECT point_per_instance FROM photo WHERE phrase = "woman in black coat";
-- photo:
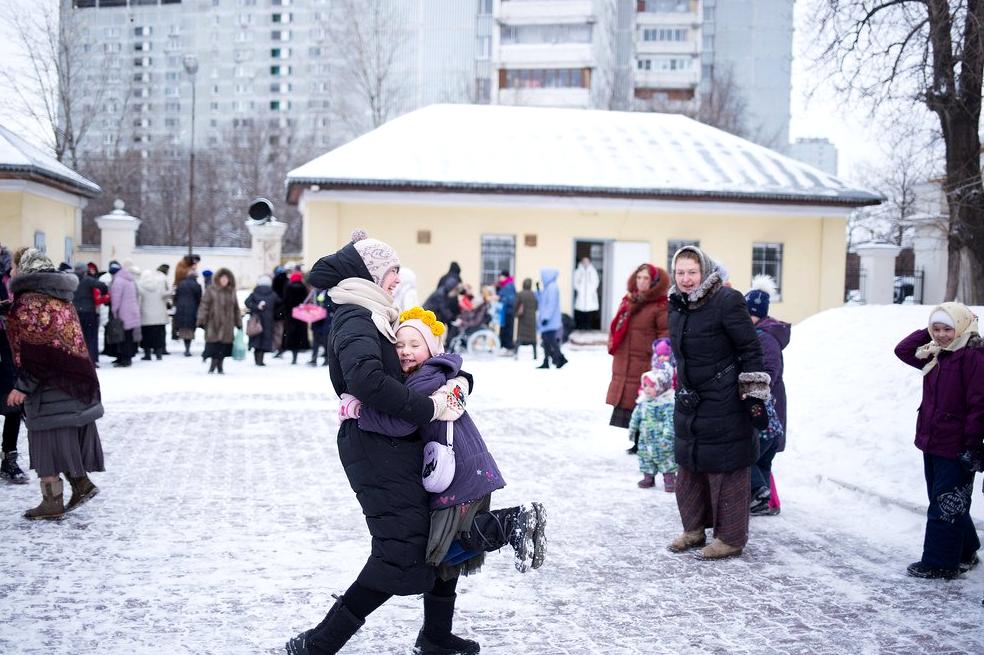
(721, 394)
(264, 303)
(187, 297)
(384, 472)
(295, 332)
(9, 468)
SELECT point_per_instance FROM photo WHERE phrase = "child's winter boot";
(52, 502)
(648, 481)
(523, 528)
(669, 483)
(688, 540)
(435, 637)
(329, 636)
(760, 503)
(10, 470)
(82, 491)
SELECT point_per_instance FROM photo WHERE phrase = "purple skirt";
(72, 451)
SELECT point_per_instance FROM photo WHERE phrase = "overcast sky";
(823, 116)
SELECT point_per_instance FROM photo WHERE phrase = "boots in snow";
(52, 502)
(221, 372)
(969, 564)
(687, 540)
(214, 365)
(717, 550)
(648, 481)
(634, 448)
(159, 354)
(10, 471)
(82, 491)
(187, 343)
(920, 570)
(258, 357)
(330, 635)
(523, 528)
(146, 357)
(545, 364)
(669, 483)
(760, 505)
(435, 637)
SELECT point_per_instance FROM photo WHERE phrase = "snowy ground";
(225, 521)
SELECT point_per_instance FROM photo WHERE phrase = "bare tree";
(721, 105)
(50, 84)
(929, 52)
(368, 40)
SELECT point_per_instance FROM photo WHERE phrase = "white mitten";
(447, 407)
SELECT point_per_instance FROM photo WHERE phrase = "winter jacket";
(475, 472)
(507, 296)
(586, 284)
(263, 294)
(321, 329)
(295, 331)
(280, 281)
(124, 302)
(526, 307)
(548, 300)
(84, 300)
(774, 336)
(715, 346)
(635, 353)
(950, 419)
(47, 407)
(443, 304)
(219, 311)
(451, 279)
(153, 298)
(383, 472)
(8, 372)
(187, 297)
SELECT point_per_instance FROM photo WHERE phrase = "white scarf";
(356, 291)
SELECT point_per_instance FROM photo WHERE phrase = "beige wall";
(22, 213)
(813, 258)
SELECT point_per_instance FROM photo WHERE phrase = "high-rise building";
(819, 153)
(667, 54)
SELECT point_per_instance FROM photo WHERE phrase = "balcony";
(667, 47)
(545, 11)
(667, 79)
(577, 98)
(551, 55)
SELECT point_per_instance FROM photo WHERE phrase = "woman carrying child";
(949, 429)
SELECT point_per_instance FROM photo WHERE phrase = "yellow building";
(41, 199)
(521, 188)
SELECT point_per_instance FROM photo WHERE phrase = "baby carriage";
(471, 333)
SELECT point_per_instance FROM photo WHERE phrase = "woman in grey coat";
(56, 383)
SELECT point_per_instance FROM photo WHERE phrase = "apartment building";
(270, 64)
(667, 53)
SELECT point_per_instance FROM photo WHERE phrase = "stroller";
(471, 333)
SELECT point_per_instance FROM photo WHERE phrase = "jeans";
(951, 537)
(763, 467)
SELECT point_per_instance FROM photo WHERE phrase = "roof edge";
(297, 185)
(43, 176)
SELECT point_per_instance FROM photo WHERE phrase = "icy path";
(225, 523)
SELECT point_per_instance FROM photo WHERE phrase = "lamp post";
(191, 67)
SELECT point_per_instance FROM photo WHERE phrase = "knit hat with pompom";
(379, 257)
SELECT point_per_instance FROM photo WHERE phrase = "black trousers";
(584, 320)
(506, 331)
(11, 428)
(551, 347)
(90, 331)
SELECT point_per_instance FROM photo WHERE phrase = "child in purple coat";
(462, 527)
(949, 431)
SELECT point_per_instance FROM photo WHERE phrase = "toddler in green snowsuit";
(652, 420)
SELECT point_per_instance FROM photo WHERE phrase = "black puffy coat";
(264, 340)
(295, 331)
(714, 342)
(187, 297)
(83, 299)
(8, 373)
(384, 472)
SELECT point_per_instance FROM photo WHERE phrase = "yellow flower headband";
(426, 317)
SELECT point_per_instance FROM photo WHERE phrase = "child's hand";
(349, 407)
(447, 407)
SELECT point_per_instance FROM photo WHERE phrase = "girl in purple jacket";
(462, 527)
(949, 431)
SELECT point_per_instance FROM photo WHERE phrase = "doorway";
(594, 251)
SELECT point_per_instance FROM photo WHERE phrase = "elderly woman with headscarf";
(722, 388)
(56, 383)
(263, 304)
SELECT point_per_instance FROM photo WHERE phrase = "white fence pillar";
(267, 244)
(929, 248)
(118, 235)
(878, 264)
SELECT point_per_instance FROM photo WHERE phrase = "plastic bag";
(239, 346)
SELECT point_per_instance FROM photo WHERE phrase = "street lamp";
(191, 67)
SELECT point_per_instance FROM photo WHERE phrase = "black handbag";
(114, 331)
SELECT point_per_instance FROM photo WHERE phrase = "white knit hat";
(379, 257)
(940, 316)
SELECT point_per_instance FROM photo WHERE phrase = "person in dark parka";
(383, 472)
(295, 332)
(320, 330)
(720, 400)
(265, 303)
(9, 468)
(187, 298)
(452, 278)
(85, 305)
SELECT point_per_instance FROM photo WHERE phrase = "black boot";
(214, 365)
(523, 528)
(258, 357)
(221, 372)
(545, 364)
(9, 469)
(435, 637)
(331, 634)
(159, 353)
(634, 448)
(187, 347)
(293, 359)
(146, 356)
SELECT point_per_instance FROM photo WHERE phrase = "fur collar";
(699, 296)
(51, 283)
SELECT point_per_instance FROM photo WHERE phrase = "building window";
(281, 18)
(483, 90)
(498, 254)
(280, 35)
(483, 49)
(663, 6)
(671, 249)
(69, 250)
(665, 64)
(172, 106)
(767, 260)
(142, 30)
(664, 34)
(548, 78)
(112, 47)
(484, 7)
(39, 241)
(142, 61)
(576, 33)
(278, 71)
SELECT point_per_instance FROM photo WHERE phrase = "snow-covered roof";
(26, 161)
(530, 150)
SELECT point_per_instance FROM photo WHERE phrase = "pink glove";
(349, 407)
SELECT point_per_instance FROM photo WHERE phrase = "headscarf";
(964, 325)
(33, 260)
(633, 301)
